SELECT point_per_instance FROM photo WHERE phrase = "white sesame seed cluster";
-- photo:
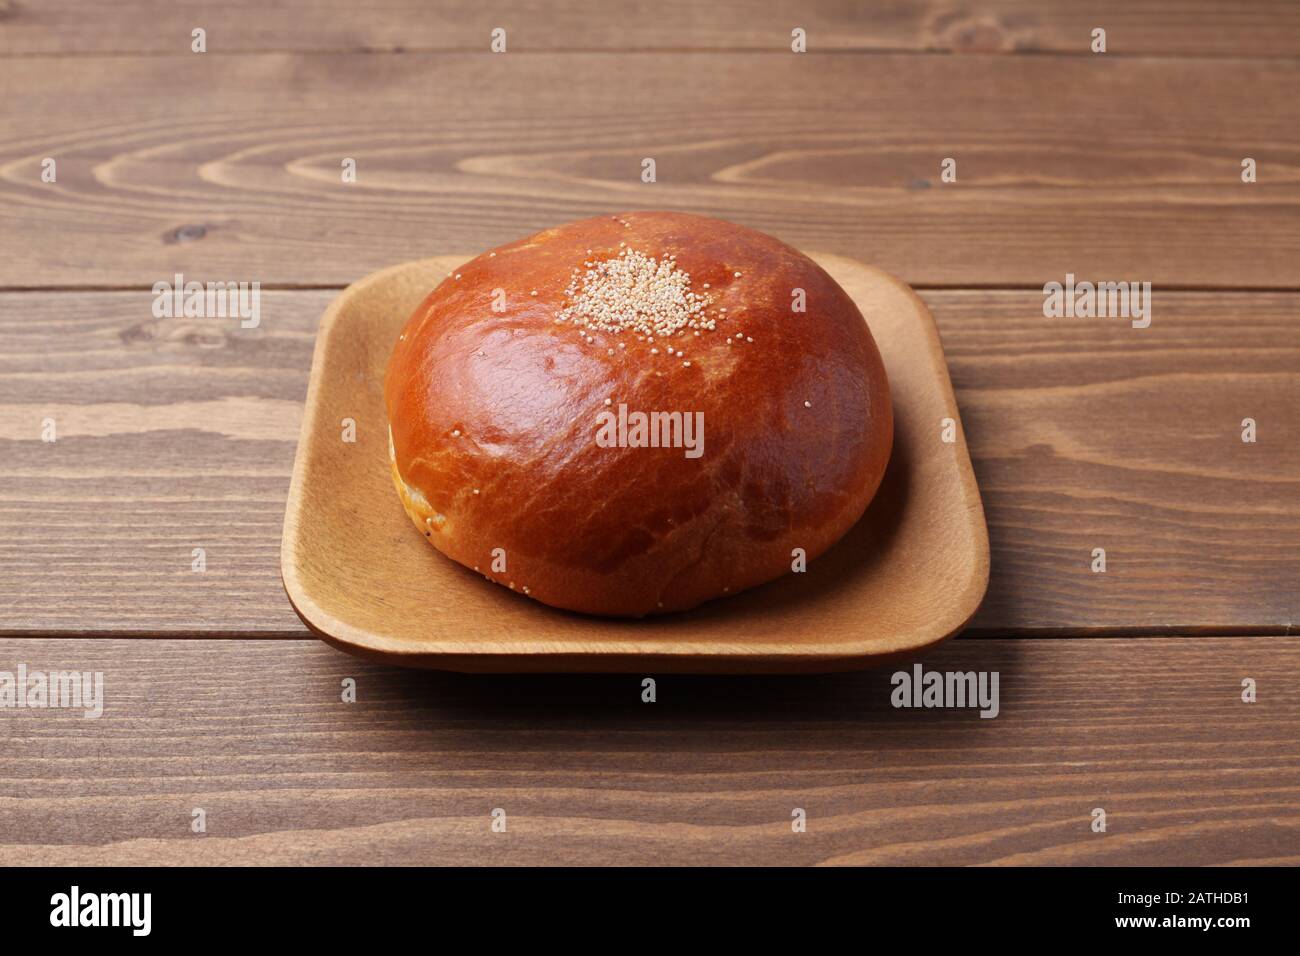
(636, 293)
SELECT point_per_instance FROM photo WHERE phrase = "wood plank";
(1089, 433)
(175, 434)
(171, 435)
(1126, 168)
(1249, 28)
(1153, 731)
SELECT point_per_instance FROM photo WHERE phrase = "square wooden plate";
(910, 574)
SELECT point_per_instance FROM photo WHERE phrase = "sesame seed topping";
(638, 294)
(807, 404)
(737, 275)
(457, 275)
(609, 401)
(455, 433)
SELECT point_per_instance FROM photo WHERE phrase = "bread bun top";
(497, 385)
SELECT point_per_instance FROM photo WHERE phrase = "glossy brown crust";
(493, 417)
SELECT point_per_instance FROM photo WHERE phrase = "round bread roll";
(631, 414)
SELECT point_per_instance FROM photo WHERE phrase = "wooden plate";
(908, 575)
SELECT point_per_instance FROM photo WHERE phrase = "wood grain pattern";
(255, 733)
(1122, 168)
(181, 433)
(171, 435)
(1249, 28)
(1088, 433)
(176, 434)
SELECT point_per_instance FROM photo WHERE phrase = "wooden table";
(1119, 690)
